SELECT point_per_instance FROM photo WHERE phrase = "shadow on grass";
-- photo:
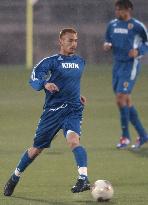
(85, 202)
(95, 202)
(41, 201)
(53, 153)
(143, 152)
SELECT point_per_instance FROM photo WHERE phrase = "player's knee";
(73, 140)
(33, 152)
(73, 143)
(121, 100)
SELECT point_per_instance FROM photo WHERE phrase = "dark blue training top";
(63, 71)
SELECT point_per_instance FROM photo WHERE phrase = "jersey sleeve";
(84, 62)
(40, 73)
(143, 48)
(108, 33)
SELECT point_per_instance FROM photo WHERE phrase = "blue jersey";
(63, 71)
(126, 35)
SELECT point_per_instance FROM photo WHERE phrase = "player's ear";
(60, 41)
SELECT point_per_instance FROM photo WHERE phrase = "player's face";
(121, 13)
(68, 43)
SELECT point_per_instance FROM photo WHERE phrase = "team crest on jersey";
(70, 65)
(130, 26)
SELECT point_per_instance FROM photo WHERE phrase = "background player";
(59, 76)
(128, 39)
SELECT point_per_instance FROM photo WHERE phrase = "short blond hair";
(67, 30)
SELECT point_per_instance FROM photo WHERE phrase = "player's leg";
(136, 122)
(127, 76)
(81, 161)
(121, 100)
(72, 130)
(47, 128)
(26, 159)
(120, 84)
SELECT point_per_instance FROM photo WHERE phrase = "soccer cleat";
(124, 142)
(9, 187)
(81, 185)
(139, 142)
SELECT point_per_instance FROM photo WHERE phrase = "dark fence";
(89, 17)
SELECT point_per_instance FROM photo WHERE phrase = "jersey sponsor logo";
(70, 65)
(121, 30)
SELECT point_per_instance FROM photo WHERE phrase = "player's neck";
(66, 54)
(127, 17)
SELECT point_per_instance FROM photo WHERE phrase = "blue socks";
(80, 156)
(130, 113)
(22, 165)
(124, 118)
(134, 118)
(24, 162)
(79, 153)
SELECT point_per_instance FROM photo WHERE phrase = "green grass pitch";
(49, 179)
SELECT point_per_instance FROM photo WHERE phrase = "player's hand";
(133, 53)
(51, 87)
(83, 100)
(107, 46)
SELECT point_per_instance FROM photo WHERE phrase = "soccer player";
(128, 39)
(59, 76)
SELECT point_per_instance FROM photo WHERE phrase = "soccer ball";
(102, 190)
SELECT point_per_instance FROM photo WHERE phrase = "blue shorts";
(124, 76)
(61, 116)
